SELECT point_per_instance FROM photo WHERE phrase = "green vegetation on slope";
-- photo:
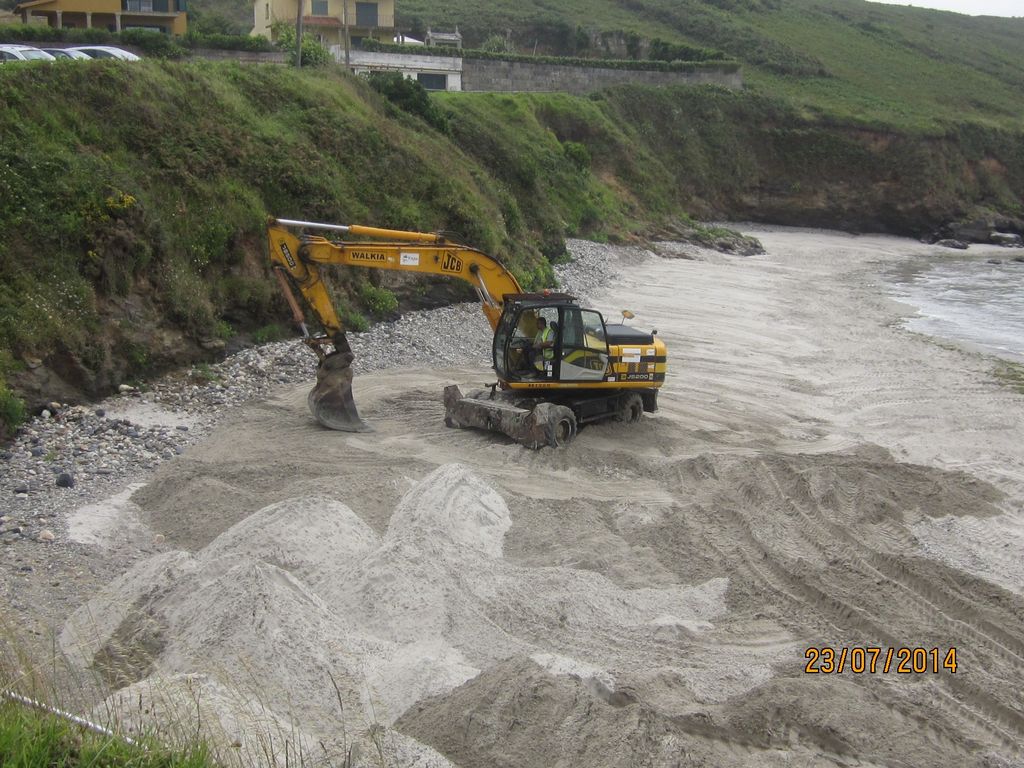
(133, 199)
(848, 59)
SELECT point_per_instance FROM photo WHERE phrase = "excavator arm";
(297, 260)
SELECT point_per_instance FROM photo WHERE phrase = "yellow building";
(168, 16)
(326, 19)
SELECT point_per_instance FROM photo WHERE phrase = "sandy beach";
(817, 477)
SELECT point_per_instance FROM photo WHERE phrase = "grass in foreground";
(32, 739)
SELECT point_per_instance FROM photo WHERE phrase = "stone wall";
(489, 75)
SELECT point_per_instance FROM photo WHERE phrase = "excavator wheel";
(559, 423)
(631, 408)
(331, 401)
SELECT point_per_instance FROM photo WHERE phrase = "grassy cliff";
(133, 198)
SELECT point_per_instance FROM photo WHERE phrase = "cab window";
(583, 347)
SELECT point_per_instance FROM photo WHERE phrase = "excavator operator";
(543, 345)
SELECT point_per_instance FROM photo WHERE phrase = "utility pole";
(344, 23)
(298, 38)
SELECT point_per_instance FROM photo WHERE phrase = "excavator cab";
(573, 348)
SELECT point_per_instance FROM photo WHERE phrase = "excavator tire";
(631, 408)
(331, 401)
(559, 424)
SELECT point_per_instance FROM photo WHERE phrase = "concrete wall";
(409, 65)
(488, 75)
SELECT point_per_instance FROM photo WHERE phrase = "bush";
(409, 96)
(577, 153)
(380, 301)
(313, 53)
(350, 319)
(662, 51)
(153, 44)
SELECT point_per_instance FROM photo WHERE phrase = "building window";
(139, 6)
(319, 7)
(433, 82)
(366, 14)
(160, 6)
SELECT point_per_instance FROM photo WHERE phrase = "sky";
(971, 7)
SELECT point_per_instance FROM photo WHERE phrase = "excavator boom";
(297, 260)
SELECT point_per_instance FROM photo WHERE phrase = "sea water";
(976, 302)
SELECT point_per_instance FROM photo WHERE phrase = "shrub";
(409, 96)
(350, 319)
(153, 44)
(577, 153)
(380, 301)
(663, 51)
(313, 53)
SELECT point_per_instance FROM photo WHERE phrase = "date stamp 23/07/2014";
(860, 660)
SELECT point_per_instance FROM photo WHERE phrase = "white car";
(10, 52)
(67, 53)
(104, 52)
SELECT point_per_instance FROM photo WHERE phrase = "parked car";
(9, 52)
(66, 53)
(104, 52)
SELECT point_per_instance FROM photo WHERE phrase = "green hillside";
(847, 59)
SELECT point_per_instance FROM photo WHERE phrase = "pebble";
(65, 480)
(46, 536)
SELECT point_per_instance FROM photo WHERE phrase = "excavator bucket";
(530, 423)
(331, 401)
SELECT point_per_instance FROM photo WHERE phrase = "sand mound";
(304, 597)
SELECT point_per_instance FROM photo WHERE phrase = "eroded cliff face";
(877, 181)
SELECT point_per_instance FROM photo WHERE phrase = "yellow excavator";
(558, 365)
